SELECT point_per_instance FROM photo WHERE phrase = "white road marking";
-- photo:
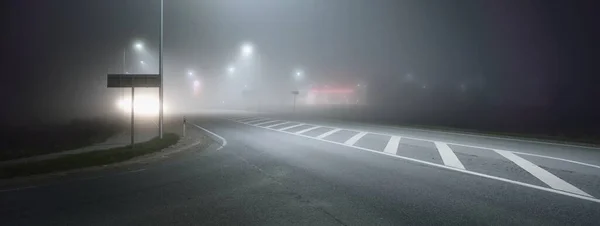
(504, 138)
(262, 123)
(451, 168)
(392, 145)
(542, 174)
(560, 159)
(470, 146)
(309, 129)
(249, 119)
(448, 156)
(289, 127)
(328, 133)
(243, 118)
(223, 141)
(255, 121)
(278, 124)
(355, 138)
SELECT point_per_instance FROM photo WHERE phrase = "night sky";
(55, 54)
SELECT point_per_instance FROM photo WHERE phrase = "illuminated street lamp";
(230, 69)
(138, 45)
(298, 74)
(142, 62)
(247, 50)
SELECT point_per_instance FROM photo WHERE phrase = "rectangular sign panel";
(132, 80)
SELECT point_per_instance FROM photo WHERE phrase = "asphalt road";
(268, 170)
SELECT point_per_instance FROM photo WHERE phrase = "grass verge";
(95, 158)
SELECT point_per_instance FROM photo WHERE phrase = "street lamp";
(142, 62)
(247, 50)
(298, 74)
(230, 70)
(138, 46)
(190, 73)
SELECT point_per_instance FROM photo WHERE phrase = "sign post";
(133, 80)
(160, 75)
(295, 93)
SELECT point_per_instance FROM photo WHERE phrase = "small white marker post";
(184, 121)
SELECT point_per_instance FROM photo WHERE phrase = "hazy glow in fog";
(144, 105)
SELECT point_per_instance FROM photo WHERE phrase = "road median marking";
(355, 138)
(328, 133)
(263, 123)
(392, 145)
(545, 176)
(350, 143)
(465, 145)
(448, 156)
(278, 124)
(289, 127)
(309, 129)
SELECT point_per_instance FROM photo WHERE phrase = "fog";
(448, 63)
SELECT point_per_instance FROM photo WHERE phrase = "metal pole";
(123, 89)
(160, 72)
(132, 112)
(295, 102)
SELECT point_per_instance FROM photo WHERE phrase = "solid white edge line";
(465, 145)
(452, 168)
(223, 141)
(448, 156)
(392, 145)
(355, 138)
(541, 174)
(504, 138)
(308, 129)
(278, 124)
(262, 123)
(328, 133)
(555, 158)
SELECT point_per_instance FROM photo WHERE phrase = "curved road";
(272, 171)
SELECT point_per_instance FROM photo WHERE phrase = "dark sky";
(518, 53)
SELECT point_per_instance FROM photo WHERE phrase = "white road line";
(542, 174)
(243, 118)
(289, 127)
(328, 133)
(355, 138)
(258, 120)
(278, 124)
(559, 159)
(525, 140)
(223, 141)
(448, 156)
(249, 119)
(392, 145)
(470, 146)
(262, 123)
(451, 168)
(309, 129)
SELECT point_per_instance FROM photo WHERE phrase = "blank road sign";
(132, 80)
